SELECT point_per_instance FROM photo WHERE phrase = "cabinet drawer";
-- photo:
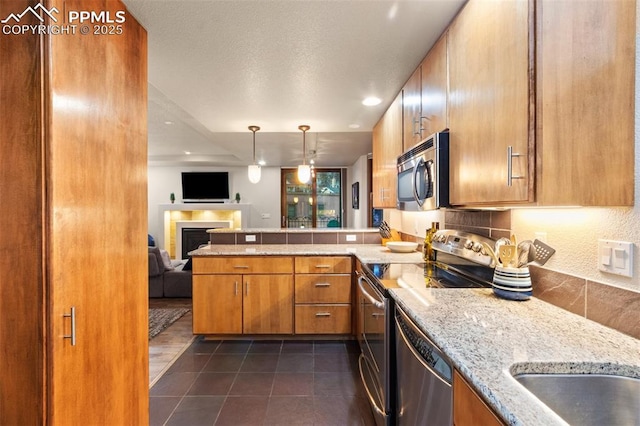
(242, 265)
(323, 265)
(323, 319)
(319, 288)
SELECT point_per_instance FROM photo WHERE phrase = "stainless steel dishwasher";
(424, 393)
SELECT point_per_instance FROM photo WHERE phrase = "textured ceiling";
(216, 67)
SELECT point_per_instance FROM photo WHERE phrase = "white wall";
(358, 173)
(264, 196)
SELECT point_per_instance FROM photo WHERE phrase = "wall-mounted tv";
(205, 187)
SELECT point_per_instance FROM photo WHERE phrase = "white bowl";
(402, 246)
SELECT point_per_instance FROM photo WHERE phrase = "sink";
(587, 399)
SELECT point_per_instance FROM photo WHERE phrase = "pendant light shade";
(254, 170)
(304, 171)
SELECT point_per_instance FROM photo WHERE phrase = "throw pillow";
(166, 260)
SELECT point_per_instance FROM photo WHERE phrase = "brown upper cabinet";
(489, 98)
(540, 106)
(433, 117)
(585, 69)
(387, 146)
(412, 109)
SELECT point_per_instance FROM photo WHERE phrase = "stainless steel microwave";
(423, 175)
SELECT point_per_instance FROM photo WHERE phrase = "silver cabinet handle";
(323, 266)
(323, 285)
(240, 267)
(510, 155)
(323, 314)
(246, 285)
(71, 336)
(377, 315)
(236, 288)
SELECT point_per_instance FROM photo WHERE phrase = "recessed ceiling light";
(354, 126)
(168, 123)
(371, 101)
(187, 152)
(262, 162)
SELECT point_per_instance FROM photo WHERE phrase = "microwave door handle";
(416, 170)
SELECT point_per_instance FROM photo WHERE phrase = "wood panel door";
(468, 408)
(434, 89)
(95, 168)
(387, 146)
(585, 102)
(412, 110)
(490, 97)
(268, 304)
(217, 304)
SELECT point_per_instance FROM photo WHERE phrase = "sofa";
(167, 278)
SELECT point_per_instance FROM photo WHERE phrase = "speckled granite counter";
(367, 253)
(486, 337)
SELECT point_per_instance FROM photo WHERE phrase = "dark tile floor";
(262, 383)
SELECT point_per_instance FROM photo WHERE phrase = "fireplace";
(192, 238)
(191, 234)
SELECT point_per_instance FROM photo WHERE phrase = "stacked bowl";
(512, 283)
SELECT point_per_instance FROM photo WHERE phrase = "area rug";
(161, 318)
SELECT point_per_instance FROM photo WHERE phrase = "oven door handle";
(378, 304)
(372, 400)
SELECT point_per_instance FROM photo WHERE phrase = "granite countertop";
(486, 338)
(287, 230)
(367, 253)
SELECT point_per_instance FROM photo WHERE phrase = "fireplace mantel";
(237, 214)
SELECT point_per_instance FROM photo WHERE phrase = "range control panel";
(465, 244)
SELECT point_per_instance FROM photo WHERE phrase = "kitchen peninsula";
(487, 339)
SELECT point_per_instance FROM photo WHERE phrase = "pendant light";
(304, 171)
(254, 169)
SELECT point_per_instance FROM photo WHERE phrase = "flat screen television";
(205, 187)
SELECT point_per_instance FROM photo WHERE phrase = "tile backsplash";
(612, 306)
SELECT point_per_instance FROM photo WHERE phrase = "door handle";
(71, 336)
(323, 314)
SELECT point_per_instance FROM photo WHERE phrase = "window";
(317, 204)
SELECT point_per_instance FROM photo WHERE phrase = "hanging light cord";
(254, 129)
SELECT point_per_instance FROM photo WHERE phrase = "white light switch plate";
(615, 257)
(350, 237)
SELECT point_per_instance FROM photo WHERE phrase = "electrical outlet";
(266, 215)
(250, 238)
(350, 237)
(615, 257)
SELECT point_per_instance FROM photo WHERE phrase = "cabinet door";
(468, 408)
(387, 146)
(268, 304)
(434, 89)
(489, 103)
(217, 304)
(585, 104)
(95, 169)
(411, 110)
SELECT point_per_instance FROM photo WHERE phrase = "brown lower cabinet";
(468, 408)
(272, 295)
(256, 301)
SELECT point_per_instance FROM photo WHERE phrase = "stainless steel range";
(461, 262)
